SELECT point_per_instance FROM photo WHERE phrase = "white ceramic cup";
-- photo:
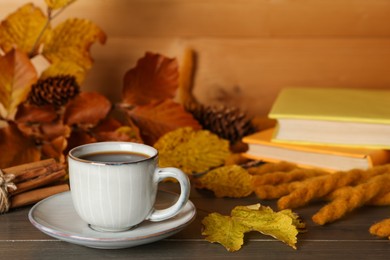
(117, 196)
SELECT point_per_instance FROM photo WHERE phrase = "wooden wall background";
(247, 49)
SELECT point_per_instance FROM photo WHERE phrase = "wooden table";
(346, 239)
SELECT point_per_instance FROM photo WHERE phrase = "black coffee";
(115, 157)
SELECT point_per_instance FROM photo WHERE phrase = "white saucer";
(56, 217)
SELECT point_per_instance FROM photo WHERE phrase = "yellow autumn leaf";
(123, 133)
(192, 150)
(16, 77)
(22, 28)
(65, 68)
(224, 230)
(58, 4)
(71, 41)
(227, 181)
(229, 230)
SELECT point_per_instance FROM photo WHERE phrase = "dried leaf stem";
(50, 17)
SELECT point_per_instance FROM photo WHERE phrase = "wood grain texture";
(230, 18)
(347, 238)
(247, 50)
(249, 73)
(172, 249)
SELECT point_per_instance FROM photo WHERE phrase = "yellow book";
(326, 157)
(333, 116)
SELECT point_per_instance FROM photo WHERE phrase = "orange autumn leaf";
(55, 129)
(155, 77)
(22, 29)
(108, 130)
(55, 148)
(111, 129)
(32, 131)
(44, 131)
(87, 109)
(79, 137)
(107, 124)
(159, 118)
(28, 113)
(123, 133)
(16, 77)
(16, 148)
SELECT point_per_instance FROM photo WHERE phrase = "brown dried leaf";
(55, 148)
(123, 133)
(159, 118)
(154, 78)
(227, 181)
(16, 148)
(45, 131)
(22, 28)
(111, 129)
(55, 129)
(108, 124)
(192, 150)
(32, 131)
(79, 137)
(28, 113)
(17, 76)
(87, 109)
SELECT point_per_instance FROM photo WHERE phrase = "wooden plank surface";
(249, 73)
(248, 49)
(229, 18)
(173, 249)
(345, 239)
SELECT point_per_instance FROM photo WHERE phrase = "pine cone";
(227, 122)
(56, 91)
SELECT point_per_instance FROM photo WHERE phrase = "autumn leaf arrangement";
(38, 109)
(44, 115)
(293, 187)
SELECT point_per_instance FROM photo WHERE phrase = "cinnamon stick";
(38, 182)
(31, 197)
(23, 168)
(34, 173)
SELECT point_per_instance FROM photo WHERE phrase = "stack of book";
(330, 128)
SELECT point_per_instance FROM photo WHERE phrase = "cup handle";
(170, 172)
